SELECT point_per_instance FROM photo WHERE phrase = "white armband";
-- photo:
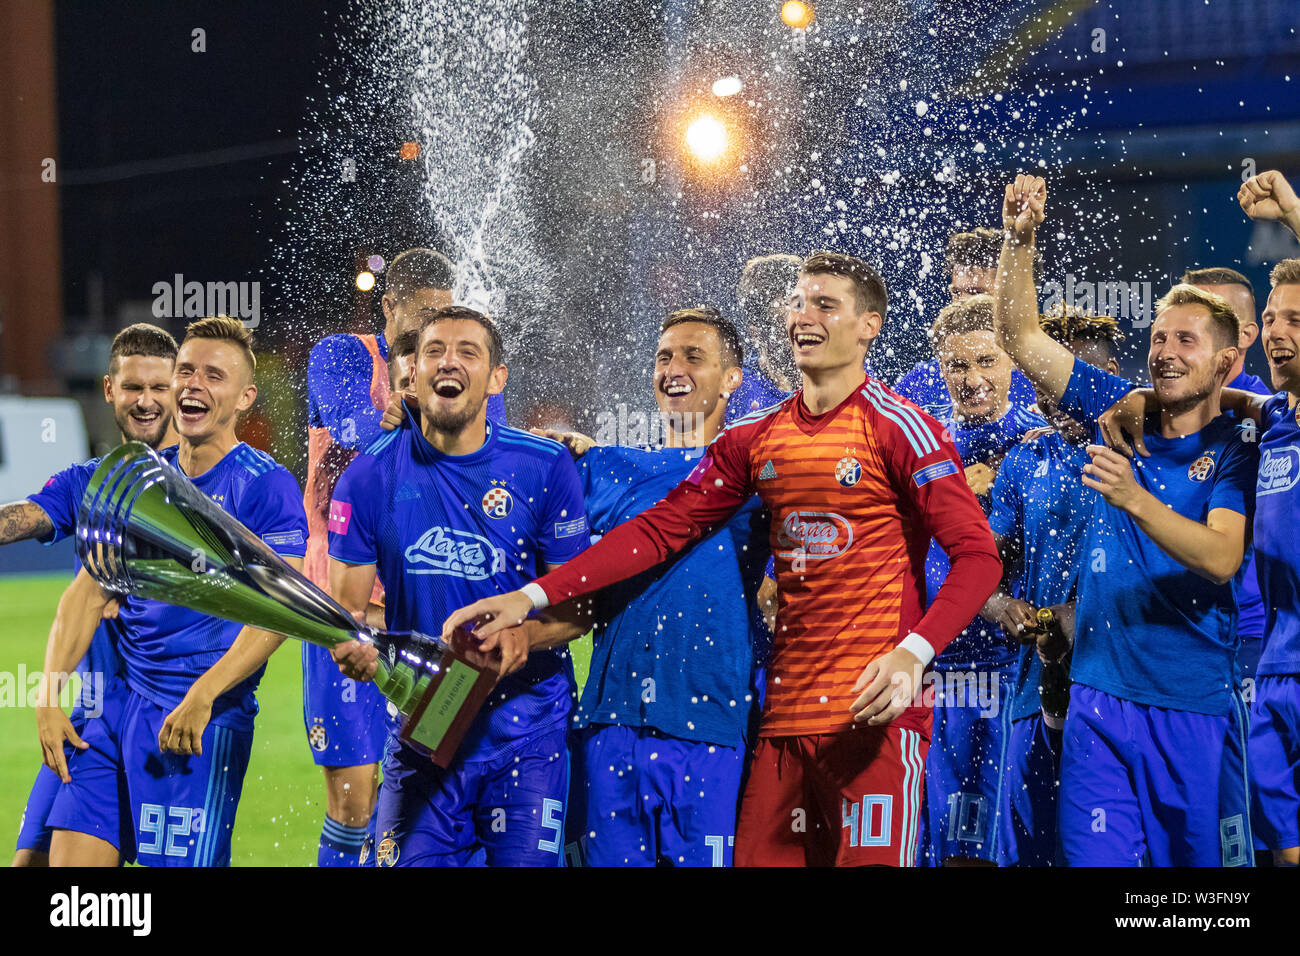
(920, 647)
(537, 595)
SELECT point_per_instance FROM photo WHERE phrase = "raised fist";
(1268, 196)
(1022, 207)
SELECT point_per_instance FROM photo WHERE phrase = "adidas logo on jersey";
(768, 472)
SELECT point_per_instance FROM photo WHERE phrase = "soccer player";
(443, 510)
(138, 386)
(156, 776)
(1039, 518)
(663, 719)
(974, 673)
(972, 259)
(1238, 291)
(857, 481)
(1152, 764)
(1275, 712)
(769, 372)
(347, 390)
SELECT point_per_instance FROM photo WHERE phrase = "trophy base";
(447, 708)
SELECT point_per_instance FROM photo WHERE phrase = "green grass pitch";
(282, 805)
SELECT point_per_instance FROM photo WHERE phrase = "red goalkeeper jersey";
(855, 494)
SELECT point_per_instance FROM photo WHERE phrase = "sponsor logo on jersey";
(814, 534)
(458, 553)
(497, 503)
(340, 516)
(388, 852)
(1201, 469)
(567, 529)
(848, 471)
(929, 473)
(1041, 470)
(317, 738)
(1279, 470)
(767, 472)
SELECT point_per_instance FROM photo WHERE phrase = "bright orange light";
(797, 14)
(409, 150)
(706, 138)
(365, 281)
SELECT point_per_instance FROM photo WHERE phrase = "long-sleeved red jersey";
(855, 494)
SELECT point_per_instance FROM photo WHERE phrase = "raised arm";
(1270, 196)
(1045, 361)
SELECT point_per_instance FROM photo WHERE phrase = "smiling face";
(212, 385)
(978, 375)
(824, 327)
(1281, 336)
(1186, 361)
(140, 391)
(690, 378)
(454, 374)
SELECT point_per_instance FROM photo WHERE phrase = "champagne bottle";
(1054, 676)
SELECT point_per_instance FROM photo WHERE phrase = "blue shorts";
(34, 830)
(508, 811)
(347, 721)
(652, 798)
(1274, 748)
(963, 775)
(1142, 784)
(96, 801)
(182, 807)
(1027, 817)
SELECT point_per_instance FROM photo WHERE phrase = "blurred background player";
(1154, 736)
(347, 391)
(139, 387)
(1238, 291)
(165, 760)
(1275, 711)
(972, 261)
(665, 713)
(974, 674)
(447, 508)
(857, 482)
(1039, 518)
(769, 373)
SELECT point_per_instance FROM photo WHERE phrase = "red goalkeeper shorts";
(846, 799)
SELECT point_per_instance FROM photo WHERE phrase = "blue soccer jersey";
(674, 647)
(1250, 606)
(445, 531)
(1277, 536)
(982, 642)
(165, 648)
(756, 391)
(1040, 505)
(1147, 629)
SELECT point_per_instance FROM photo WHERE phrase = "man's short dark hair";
(405, 344)
(141, 339)
(733, 355)
(978, 247)
(1218, 275)
(766, 279)
(868, 288)
(496, 348)
(417, 269)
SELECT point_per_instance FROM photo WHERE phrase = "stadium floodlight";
(797, 14)
(706, 138)
(365, 280)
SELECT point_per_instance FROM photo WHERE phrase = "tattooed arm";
(20, 520)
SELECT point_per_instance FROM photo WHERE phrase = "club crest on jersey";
(814, 535)
(497, 503)
(318, 738)
(848, 470)
(1279, 470)
(1201, 469)
(366, 849)
(388, 852)
(458, 553)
